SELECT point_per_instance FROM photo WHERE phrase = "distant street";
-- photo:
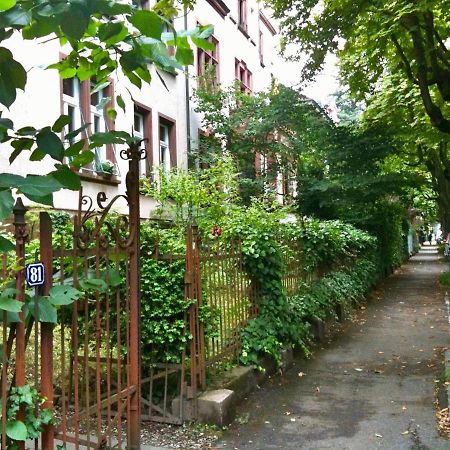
(372, 387)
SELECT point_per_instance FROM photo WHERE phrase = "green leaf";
(100, 87)
(203, 43)
(11, 305)
(95, 284)
(19, 145)
(6, 204)
(114, 278)
(15, 429)
(74, 149)
(107, 30)
(110, 137)
(46, 311)
(184, 56)
(73, 134)
(6, 245)
(26, 131)
(74, 23)
(39, 185)
(148, 23)
(63, 295)
(9, 180)
(66, 177)
(16, 16)
(6, 124)
(37, 155)
(120, 102)
(82, 159)
(112, 113)
(13, 76)
(43, 199)
(7, 4)
(49, 143)
(60, 123)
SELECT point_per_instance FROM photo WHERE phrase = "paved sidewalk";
(372, 387)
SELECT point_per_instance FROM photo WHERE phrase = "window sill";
(243, 31)
(100, 179)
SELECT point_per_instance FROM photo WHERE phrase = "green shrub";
(444, 278)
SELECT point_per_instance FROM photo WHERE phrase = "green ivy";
(34, 417)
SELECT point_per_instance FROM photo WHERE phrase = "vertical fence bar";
(46, 250)
(132, 182)
(20, 234)
(198, 296)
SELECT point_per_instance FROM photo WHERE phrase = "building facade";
(162, 112)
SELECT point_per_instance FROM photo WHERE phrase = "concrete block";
(340, 312)
(217, 407)
(287, 358)
(318, 328)
(242, 380)
(188, 408)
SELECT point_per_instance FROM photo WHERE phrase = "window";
(72, 103)
(244, 76)
(98, 122)
(166, 28)
(142, 131)
(167, 144)
(208, 61)
(261, 48)
(242, 15)
(86, 107)
(141, 4)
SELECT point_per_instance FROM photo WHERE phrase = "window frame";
(86, 111)
(170, 125)
(243, 15)
(244, 76)
(209, 58)
(145, 166)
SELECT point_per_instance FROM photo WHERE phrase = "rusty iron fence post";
(20, 235)
(46, 251)
(132, 183)
(193, 291)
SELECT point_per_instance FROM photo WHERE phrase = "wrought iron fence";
(231, 296)
(293, 273)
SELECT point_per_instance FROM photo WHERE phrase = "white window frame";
(164, 147)
(75, 103)
(140, 135)
(97, 117)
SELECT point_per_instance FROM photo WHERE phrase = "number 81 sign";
(35, 274)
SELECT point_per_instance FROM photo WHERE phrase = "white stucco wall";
(40, 104)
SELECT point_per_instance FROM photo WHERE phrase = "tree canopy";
(374, 39)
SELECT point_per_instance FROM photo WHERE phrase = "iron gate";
(88, 366)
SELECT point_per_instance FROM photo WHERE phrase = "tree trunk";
(437, 165)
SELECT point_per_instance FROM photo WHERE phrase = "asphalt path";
(371, 386)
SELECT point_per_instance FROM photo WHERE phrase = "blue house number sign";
(35, 274)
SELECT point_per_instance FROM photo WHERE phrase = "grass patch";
(444, 278)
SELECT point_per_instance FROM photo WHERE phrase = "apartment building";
(246, 44)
